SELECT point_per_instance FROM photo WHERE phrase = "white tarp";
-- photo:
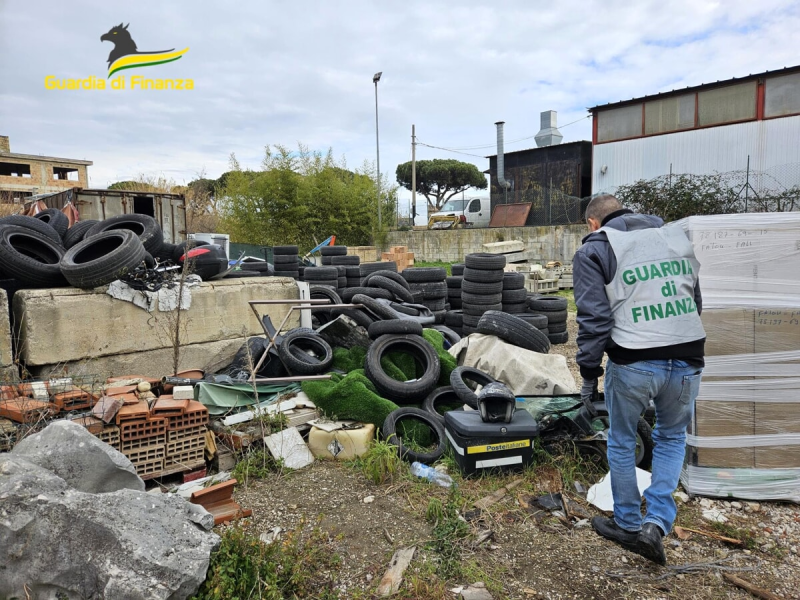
(527, 373)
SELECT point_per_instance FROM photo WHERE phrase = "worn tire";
(468, 298)
(479, 276)
(476, 287)
(102, 258)
(558, 338)
(407, 392)
(399, 292)
(457, 269)
(393, 275)
(323, 292)
(441, 395)
(555, 316)
(476, 310)
(389, 433)
(514, 330)
(56, 219)
(548, 304)
(348, 261)
(469, 320)
(284, 250)
(144, 226)
(424, 274)
(644, 437)
(513, 281)
(333, 250)
(33, 224)
(77, 232)
(372, 292)
(435, 305)
(459, 378)
(180, 249)
(454, 282)
(514, 308)
(285, 259)
(484, 261)
(359, 316)
(381, 311)
(353, 273)
(454, 318)
(431, 290)
(537, 320)
(293, 353)
(394, 326)
(164, 253)
(321, 274)
(515, 296)
(292, 274)
(30, 257)
(557, 327)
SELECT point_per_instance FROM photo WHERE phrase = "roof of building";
(542, 148)
(695, 88)
(74, 161)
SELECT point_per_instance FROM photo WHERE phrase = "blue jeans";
(672, 385)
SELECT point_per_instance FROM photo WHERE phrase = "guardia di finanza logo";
(126, 55)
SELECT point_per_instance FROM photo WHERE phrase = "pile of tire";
(481, 288)
(44, 251)
(383, 284)
(286, 262)
(514, 330)
(304, 352)
(429, 282)
(367, 268)
(554, 309)
(515, 295)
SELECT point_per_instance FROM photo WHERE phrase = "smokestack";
(4, 144)
(549, 135)
(501, 163)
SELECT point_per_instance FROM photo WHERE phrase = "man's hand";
(589, 392)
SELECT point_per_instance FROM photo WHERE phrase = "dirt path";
(527, 555)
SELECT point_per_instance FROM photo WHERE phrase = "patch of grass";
(448, 533)
(434, 263)
(570, 463)
(256, 464)
(422, 583)
(731, 531)
(381, 463)
(570, 296)
(296, 567)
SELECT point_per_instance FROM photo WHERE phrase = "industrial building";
(749, 126)
(25, 175)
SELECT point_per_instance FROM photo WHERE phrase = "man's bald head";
(599, 208)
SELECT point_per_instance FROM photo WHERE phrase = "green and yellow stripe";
(149, 59)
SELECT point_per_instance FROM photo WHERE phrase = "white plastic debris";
(600, 493)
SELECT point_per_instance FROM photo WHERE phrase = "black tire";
(514, 330)
(476, 310)
(341, 282)
(394, 326)
(484, 261)
(144, 226)
(285, 259)
(457, 269)
(353, 282)
(164, 253)
(323, 292)
(417, 295)
(371, 267)
(454, 282)
(405, 392)
(293, 352)
(33, 224)
(470, 320)
(479, 276)
(372, 292)
(381, 311)
(333, 250)
(352, 272)
(389, 433)
(431, 290)
(555, 316)
(441, 395)
(326, 261)
(548, 304)
(558, 338)
(450, 335)
(359, 316)
(261, 267)
(424, 274)
(459, 378)
(56, 219)
(30, 257)
(243, 274)
(468, 298)
(515, 308)
(331, 283)
(398, 292)
(345, 260)
(644, 436)
(393, 275)
(284, 250)
(455, 303)
(557, 327)
(454, 318)
(292, 274)
(435, 305)
(515, 296)
(467, 330)
(476, 287)
(537, 320)
(102, 258)
(321, 273)
(438, 316)
(76, 233)
(513, 281)
(406, 310)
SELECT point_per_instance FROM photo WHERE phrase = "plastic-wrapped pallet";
(744, 440)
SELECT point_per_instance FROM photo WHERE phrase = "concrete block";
(70, 325)
(504, 247)
(6, 354)
(183, 392)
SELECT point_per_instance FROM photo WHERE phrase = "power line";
(449, 150)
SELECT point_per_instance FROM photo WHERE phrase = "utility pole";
(413, 176)
(375, 79)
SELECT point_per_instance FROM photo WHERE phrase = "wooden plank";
(391, 580)
(497, 495)
(749, 587)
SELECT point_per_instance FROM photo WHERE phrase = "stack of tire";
(43, 251)
(481, 288)
(515, 295)
(286, 261)
(430, 282)
(365, 269)
(554, 308)
(326, 276)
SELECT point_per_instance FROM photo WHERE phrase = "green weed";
(448, 531)
(256, 464)
(381, 463)
(434, 263)
(731, 531)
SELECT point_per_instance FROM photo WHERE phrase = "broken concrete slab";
(57, 542)
(6, 353)
(476, 591)
(79, 458)
(345, 333)
(288, 446)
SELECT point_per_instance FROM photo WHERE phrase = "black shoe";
(609, 529)
(650, 544)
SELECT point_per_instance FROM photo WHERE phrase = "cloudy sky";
(280, 72)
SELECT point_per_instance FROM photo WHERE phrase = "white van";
(471, 212)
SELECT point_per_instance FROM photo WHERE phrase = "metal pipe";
(501, 163)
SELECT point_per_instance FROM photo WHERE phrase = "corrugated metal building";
(552, 179)
(749, 125)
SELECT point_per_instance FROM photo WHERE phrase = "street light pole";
(375, 79)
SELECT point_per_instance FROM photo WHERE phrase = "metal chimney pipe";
(501, 163)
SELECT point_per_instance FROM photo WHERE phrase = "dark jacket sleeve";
(698, 297)
(595, 320)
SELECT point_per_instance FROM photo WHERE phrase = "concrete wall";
(7, 369)
(548, 243)
(89, 332)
